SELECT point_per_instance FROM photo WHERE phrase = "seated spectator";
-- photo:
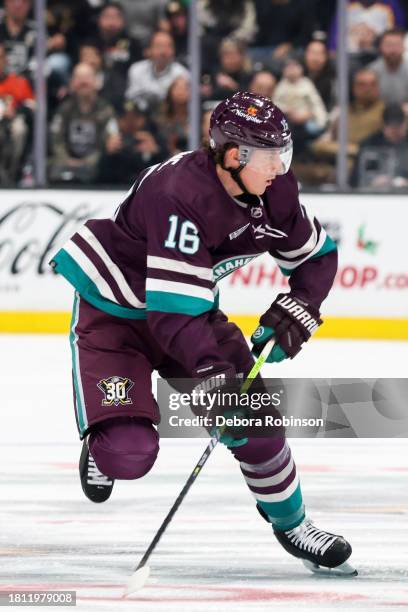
(319, 69)
(16, 106)
(18, 34)
(392, 68)
(173, 117)
(235, 19)
(367, 20)
(136, 146)
(149, 80)
(234, 72)
(364, 115)
(119, 49)
(382, 161)
(110, 83)
(364, 119)
(83, 124)
(284, 26)
(263, 83)
(299, 99)
(176, 23)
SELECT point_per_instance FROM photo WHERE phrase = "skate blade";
(345, 569)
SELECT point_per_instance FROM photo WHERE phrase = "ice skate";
(96, 486)
(320, 551)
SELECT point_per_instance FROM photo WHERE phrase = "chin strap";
(235, 174)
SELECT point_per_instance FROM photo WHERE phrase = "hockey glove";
(225, 382)
(289, 320)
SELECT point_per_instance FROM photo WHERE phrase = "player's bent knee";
(124, 448)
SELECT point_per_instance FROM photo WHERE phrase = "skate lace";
(95, 477)
(307, 537)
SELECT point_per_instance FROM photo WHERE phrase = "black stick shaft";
(197, 469)
(182, 494)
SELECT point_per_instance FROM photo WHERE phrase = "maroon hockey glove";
(291, 321)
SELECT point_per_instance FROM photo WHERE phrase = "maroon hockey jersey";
(176, 234)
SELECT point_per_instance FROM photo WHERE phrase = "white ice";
(217, 555)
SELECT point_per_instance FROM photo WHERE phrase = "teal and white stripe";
(89, 269)
(117, 274)
(76, 370)
(182, 298)
(285, 509)
(173, 265)
(271, 480)
(70, 262)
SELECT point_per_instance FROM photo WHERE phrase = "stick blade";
(137, 580)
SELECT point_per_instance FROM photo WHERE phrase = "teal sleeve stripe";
(328, 246)
(161, 301)
(69, 269)
(286, 272)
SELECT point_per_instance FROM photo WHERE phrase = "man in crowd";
(383, 157)
(16, 105)
(391, 67)
(18, 33)
(149, 80)
(82, 126)
(119, 50)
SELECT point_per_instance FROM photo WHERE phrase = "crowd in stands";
(118, 84)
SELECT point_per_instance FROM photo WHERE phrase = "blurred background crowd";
(118, 84)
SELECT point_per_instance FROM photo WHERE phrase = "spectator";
(391, 67)
(263, 83)
(383, 157)
(110, 83)
(18, 34)
(319, 69)
(173, 116)
(176, 23)
(83, 124)
(283, 26)
(143, 17)
(224, 19)
(16, 105)
(299, 99)
(119, 50)
(149, 80)
(364, 119)
(234, 70)
(137, 146)
(61, 44)
(367, 19)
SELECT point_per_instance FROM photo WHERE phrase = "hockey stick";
(139, 577)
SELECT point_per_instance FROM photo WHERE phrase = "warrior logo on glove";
(289, 320)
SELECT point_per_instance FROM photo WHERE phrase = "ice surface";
(217, 555)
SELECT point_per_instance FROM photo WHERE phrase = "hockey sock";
(272, 479)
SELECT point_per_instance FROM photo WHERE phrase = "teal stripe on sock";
(286, 514)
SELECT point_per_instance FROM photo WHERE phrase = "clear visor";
(267, 161)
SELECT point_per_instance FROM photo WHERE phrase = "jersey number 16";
(188, 240)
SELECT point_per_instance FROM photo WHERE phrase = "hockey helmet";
(256, 125)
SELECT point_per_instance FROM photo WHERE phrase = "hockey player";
(146, 299)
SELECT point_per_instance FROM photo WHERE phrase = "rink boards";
(369, 298)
